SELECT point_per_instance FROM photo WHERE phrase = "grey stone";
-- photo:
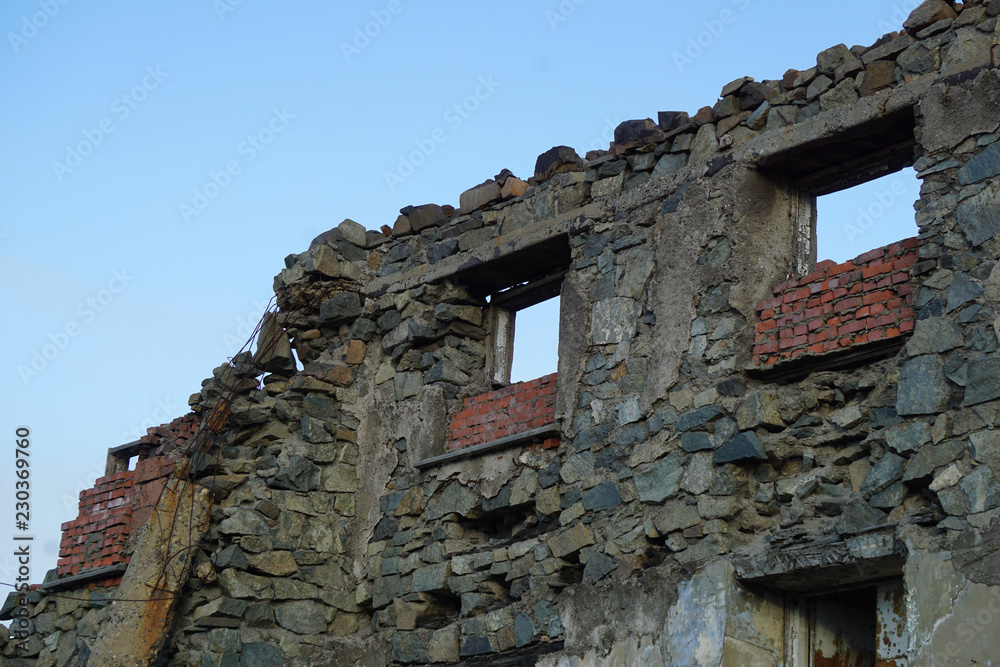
(353, 233)
(668, 164)
(908, 436)
(921, 467)
(743, 447)
(341, 307)
(829, 60)
(577, 467)
(524, 631)
(432, 578)
(979, 216)
(983, 166)
(446, 371)
(962, 290)
(980, 490)
(261, 654)
(407, 385)
(983, 382)
(570, 541)
(599, 566)
(643, 131)
(613, 320)
(928, 13)
(934, 335)
(661, 481)
(887, 470)
(428, 215)
(759, 409)
(819, 85)
(455, 499)
(986, 447)
(696, 442)
(300, 475)
(408, 648)
(313, 430)
(244, 521)
(891, 497)
(557, 160)
(923, 388)
(697, 419)
(601, 497)
(475, 645)
(478, 197)
(232, 556)
(857, 516)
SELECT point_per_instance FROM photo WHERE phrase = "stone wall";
(693, 506)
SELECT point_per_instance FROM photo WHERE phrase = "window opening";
(536, 350)
(871, 215)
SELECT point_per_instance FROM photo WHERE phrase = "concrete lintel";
(503, 245)
(501, 443)
(78, 580)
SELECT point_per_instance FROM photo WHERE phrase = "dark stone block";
(476, 645)
(524, 631)
(599, 566)
(601, 497)
(984, 380)
(260, 654)
(696, 442)
(340, 308)
(697, 419)
(744, 447)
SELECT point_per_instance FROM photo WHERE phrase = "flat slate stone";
(261, 654)
(599, 566)
(923, 388)
(698, 418)
(601, 497)
(524, 631)
(744, 447)
(979, 216)
(983, 166)
(980, 490)
(888, 470)
(661, 481)
(857, 516)
(984, 380)
(476, 645)
(696, 442)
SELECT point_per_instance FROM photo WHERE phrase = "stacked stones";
(328, 545)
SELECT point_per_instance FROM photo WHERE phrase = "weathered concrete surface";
(141, 616)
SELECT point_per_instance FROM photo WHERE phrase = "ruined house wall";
(694, 502)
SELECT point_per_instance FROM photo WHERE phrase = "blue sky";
(159, 160)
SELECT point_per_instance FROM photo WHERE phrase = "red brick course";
(496, 414)
(837, 306)
(118, 505)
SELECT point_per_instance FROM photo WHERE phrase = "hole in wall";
(536, 341)
(867, 216)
